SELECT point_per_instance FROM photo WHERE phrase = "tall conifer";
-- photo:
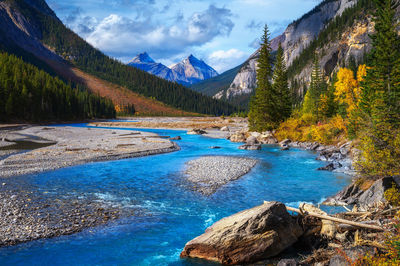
(317, 87)
(262, 106)
(281, 87)
(380, 96)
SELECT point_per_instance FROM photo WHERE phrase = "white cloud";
(223, 60)
(121, 36)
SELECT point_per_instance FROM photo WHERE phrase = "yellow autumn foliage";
(304, 128)
(377, 162)
(347, 88)
(323, 107)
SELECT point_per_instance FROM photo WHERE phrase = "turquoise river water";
(171, 213)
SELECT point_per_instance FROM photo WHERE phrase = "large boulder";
(330, 167)
(248, 236)
(371, 197)
(250, 147)
(285, 148)
(255, 134)
(196, 131)
(285, 142)
(376, 193)
(252, 140)
(267, 137)
(238, 137)
(347, 196)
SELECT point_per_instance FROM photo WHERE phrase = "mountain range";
(189, 71)
(31, 30)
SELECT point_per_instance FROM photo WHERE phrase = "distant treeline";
(30, 94)
(73, 48)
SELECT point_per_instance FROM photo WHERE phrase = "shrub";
(305, 128)
(392, 195)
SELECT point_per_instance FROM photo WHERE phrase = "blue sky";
(222, 33)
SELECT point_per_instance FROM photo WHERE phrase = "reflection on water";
(171, 212)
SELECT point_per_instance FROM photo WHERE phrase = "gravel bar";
(209, 173)
(77, 145)
(27, 216)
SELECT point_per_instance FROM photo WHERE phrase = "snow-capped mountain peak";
(142, 58)
(194, 70)
(189, 71)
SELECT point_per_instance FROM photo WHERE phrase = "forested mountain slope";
(214, 85)
(27, 93)
(33, 29)
(336, 30)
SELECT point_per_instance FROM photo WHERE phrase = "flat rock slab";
(248, 236)
(209, 173)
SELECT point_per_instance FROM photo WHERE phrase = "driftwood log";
(334, 219)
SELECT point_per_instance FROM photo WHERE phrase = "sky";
(222, 33)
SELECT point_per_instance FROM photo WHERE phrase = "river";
(169, 212)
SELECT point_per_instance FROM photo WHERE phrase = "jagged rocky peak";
(144, 62)
(189, 71)
(194, 70)
(142, 58)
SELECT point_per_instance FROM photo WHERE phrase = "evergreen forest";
(30, 94)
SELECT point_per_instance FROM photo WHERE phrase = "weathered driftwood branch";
(390, 210)
(334, 219)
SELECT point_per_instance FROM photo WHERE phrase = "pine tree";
(380, 96)
(262, 106)
(382, 83)
(281, 87)
(313, 95)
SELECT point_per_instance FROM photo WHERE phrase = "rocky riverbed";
(207, 174)
(338, 158)
(74, 145)
(27, 215)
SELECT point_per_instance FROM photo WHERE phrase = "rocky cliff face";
(244, 82)
(352, 44)
(294, 40)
